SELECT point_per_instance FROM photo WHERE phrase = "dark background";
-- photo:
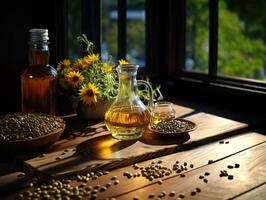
(165, 42)
(16, 20)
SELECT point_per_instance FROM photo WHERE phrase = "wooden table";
(222, 141)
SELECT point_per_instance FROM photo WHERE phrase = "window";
(197, 35)
(109, 25)
(121, 25)
(74, 28)
(224, 45)
(241, 46)
(206, 44)
(242, 39)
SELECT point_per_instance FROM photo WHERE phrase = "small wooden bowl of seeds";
(173, 127)
(29, 131)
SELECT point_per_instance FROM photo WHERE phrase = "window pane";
(242, 39)
(197, 35)
(109, 29)
(74, 28)
(136, 31)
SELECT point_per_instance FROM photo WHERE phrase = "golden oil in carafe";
(127, 123)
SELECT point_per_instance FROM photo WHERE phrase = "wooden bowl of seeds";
(173, 127)
(29, 131)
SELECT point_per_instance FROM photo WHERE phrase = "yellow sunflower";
(74, 78)
(88, 93)
(106, 68)
(92, 58)
(122, 61)
(63, 64)
(80, 64)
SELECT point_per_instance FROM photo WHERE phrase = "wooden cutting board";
(96, 150)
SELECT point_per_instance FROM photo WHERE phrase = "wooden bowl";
(37, 143)
(176, 133)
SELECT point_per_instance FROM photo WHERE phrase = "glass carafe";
(127, 118)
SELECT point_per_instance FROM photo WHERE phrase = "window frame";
(165, 52)
(221, 87)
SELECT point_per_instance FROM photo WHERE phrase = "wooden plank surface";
(78, 130)
(101, 150)
(198, 156)
(257, 193)
(13, 181)
(250, 174)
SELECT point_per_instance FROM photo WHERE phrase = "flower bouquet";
(91, 83)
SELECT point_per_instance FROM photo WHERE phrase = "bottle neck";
(127, 85)
(38, 53)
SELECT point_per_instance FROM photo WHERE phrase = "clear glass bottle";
(38, 80)
(162, 111)
(128, 118)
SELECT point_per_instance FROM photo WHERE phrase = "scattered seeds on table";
(210, 161)
(191, 165)
(171, 194)
(97, 187)
(223, 173)
(160, 181)
(108, 185)
(125, 173)
(201, 177)
(230, 177)
(182, 196)
(227, 142)
(193, 193)
(102, 189)
(237, 165)
(221, 142)
(182, 175)
(135, 198)
(114, 178)
(105, 172)
(198, 190)
(207, 173)
(151, 195)
(58, 158)
(230, 166)
(99, 174)
(162, 194)
(116, 182)
(205, 180)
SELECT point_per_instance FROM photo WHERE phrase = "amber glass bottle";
(38, 80)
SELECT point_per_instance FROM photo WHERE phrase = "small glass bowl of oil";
(162, 111)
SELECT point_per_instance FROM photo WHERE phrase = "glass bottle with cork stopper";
(38, 80)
